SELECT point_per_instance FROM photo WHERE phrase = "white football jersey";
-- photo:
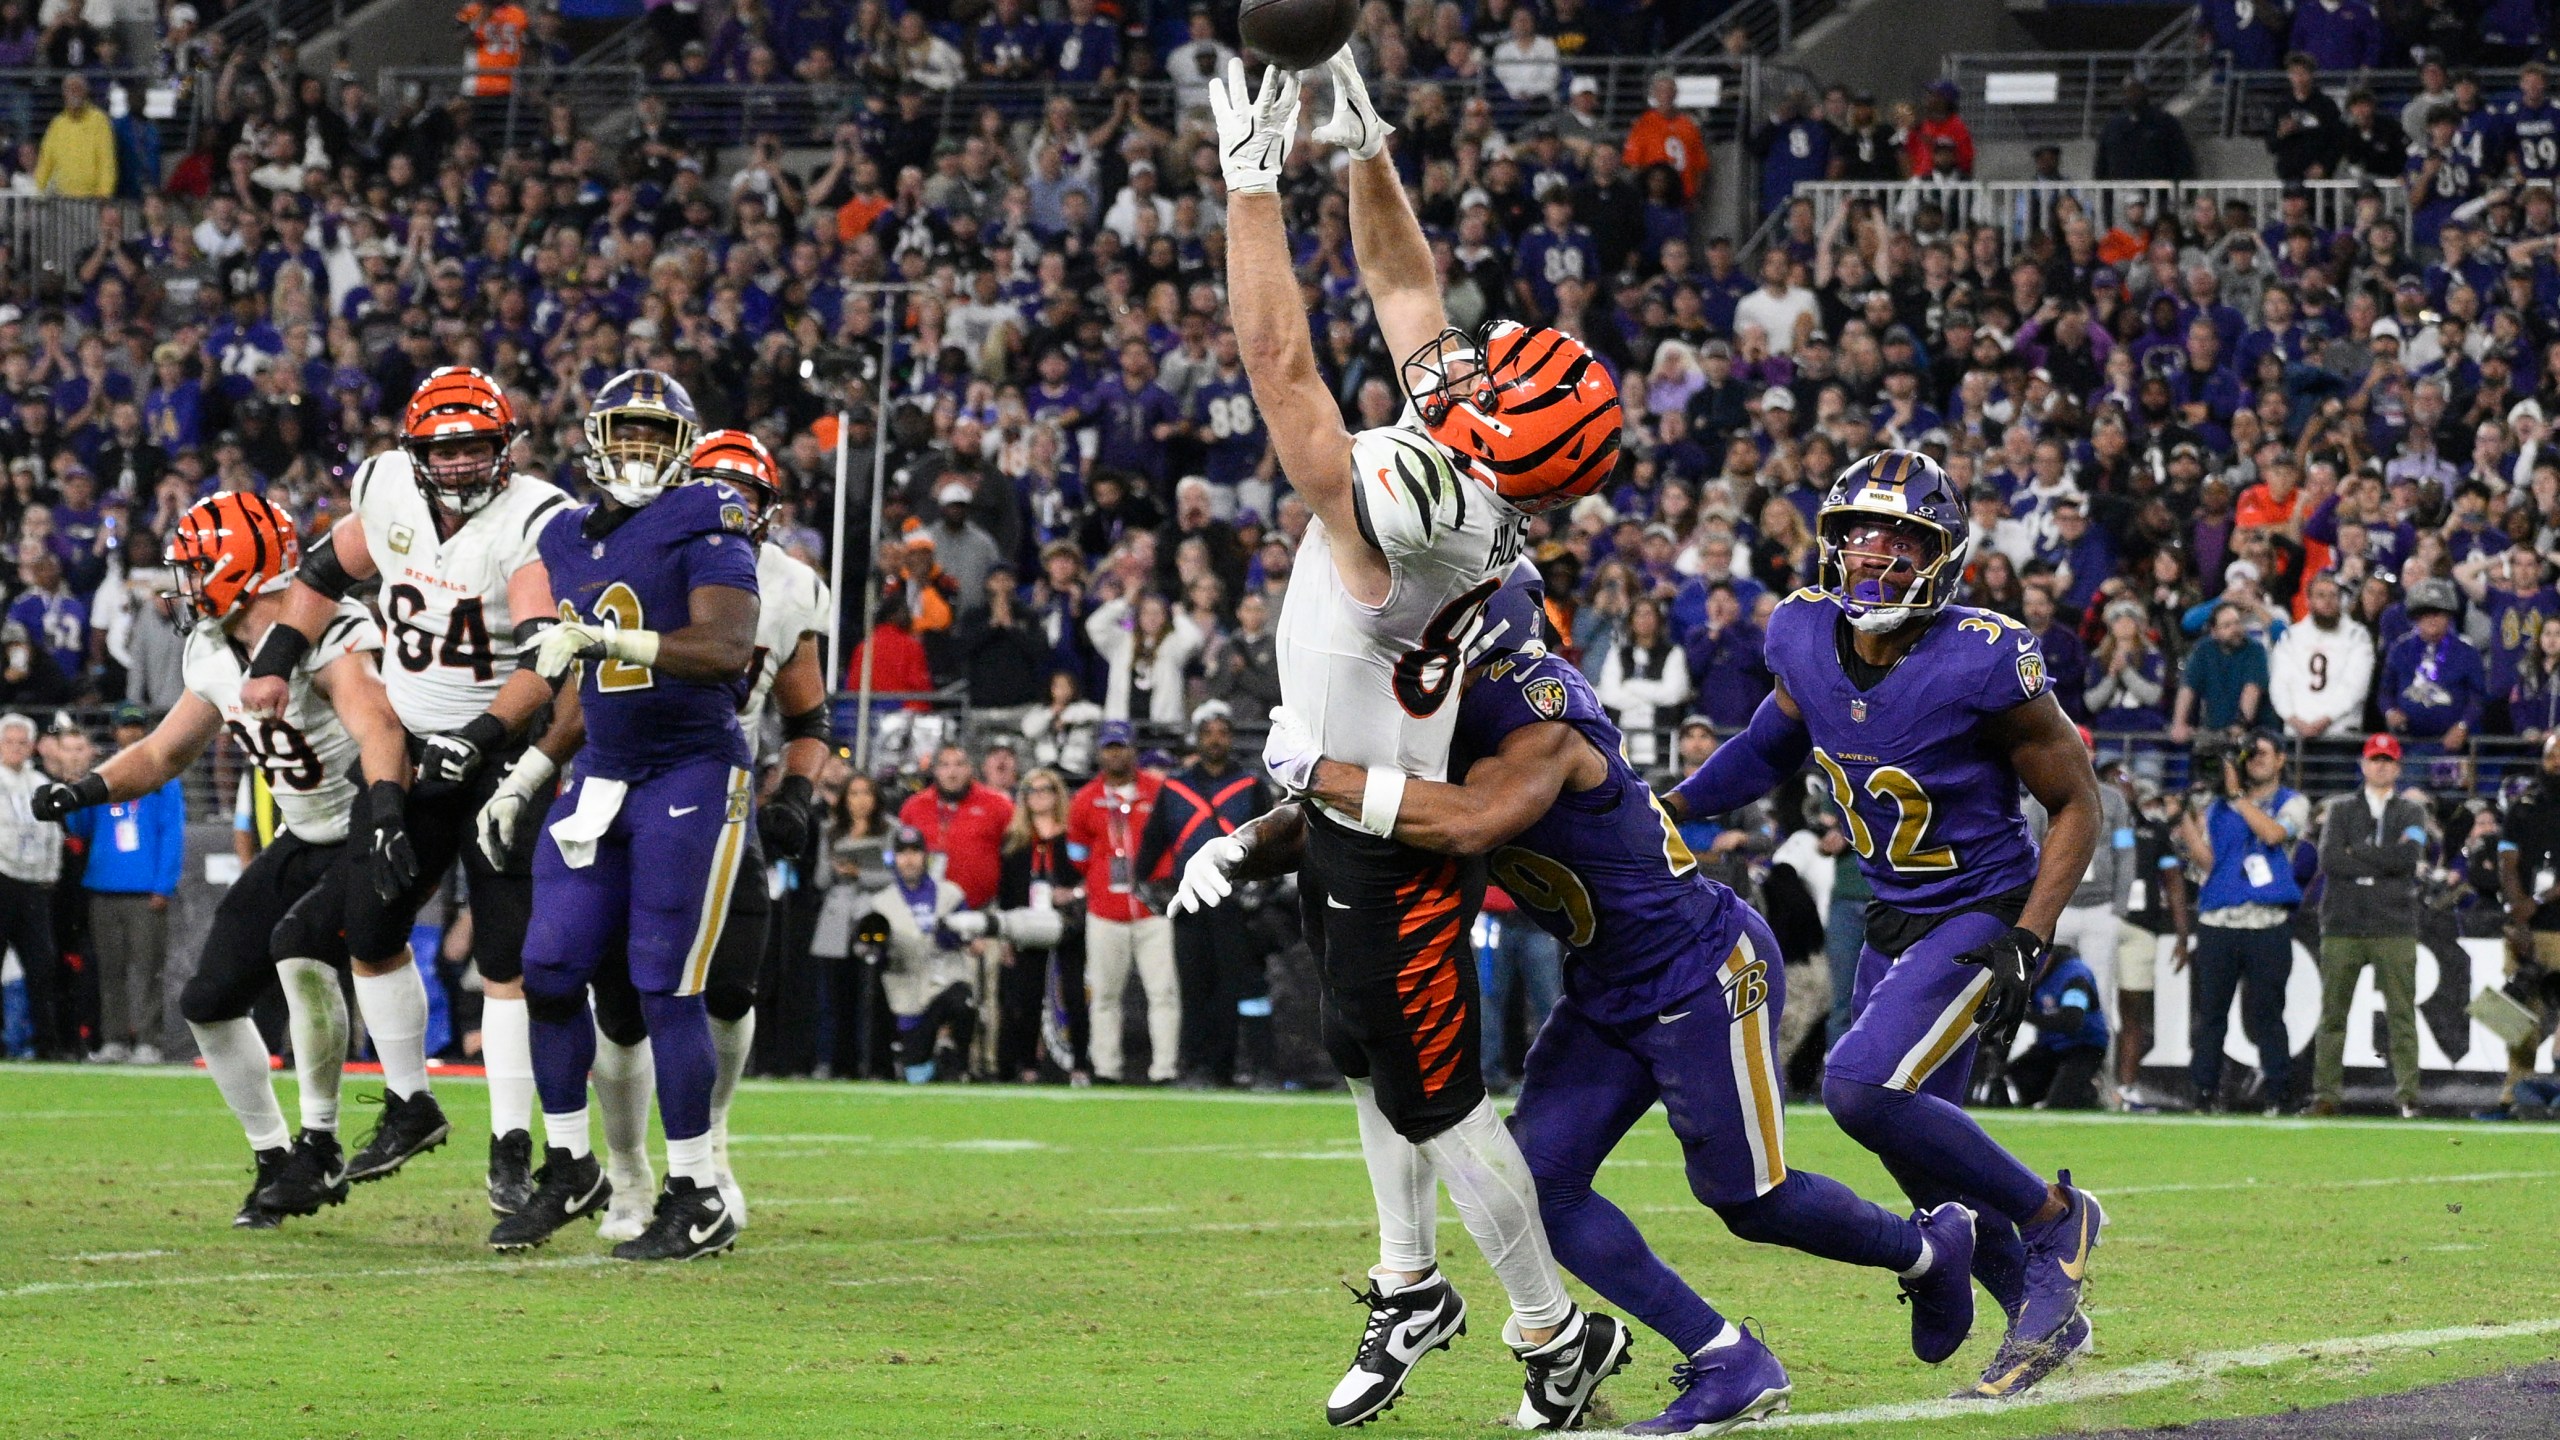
(308, 756)
(791, 602)
(448, 636)
(1379, 684)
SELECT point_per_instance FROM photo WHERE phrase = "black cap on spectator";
(907, 837)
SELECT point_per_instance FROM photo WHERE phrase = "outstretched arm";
(163, 755)
(1254, 128)
(1749, 765)
(1386, 241)
(1504, 793)
(716, 646)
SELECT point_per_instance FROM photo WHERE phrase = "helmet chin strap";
(1882, 620)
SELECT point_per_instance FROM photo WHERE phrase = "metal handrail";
(2086, 81)
(2247, 96)
(2020, 208)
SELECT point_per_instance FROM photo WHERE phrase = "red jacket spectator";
(1104, 824)
(963, 822)
(1923, 144)
(898, 665)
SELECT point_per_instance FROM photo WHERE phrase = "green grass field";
(978, 1262)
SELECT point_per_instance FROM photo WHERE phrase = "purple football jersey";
(641, 576)
(1604, 870)
(1932, 810)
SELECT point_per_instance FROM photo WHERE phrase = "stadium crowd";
(2238, 472)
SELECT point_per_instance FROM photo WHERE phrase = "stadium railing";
(30, 98)
(2041, 95)
(1724, 92)
(2248, 98)
(2020, 207)
(52, 234)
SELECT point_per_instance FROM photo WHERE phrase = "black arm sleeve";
(814, 723)
(321, 570)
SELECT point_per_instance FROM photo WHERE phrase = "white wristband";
(1380, 799)
(532, 771)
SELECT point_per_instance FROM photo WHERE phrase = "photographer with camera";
(2529, 881)
(2241, 832)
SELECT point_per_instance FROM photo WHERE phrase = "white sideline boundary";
(2161, 1374)
(881, 1092)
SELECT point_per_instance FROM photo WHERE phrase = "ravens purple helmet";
(1893, 536)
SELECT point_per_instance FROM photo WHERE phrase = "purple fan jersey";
(1932, 809)
(641, 576)
(1604, 870)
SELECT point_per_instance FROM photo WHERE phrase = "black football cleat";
(510, 1172)
(314, 1174)
(408, 1129)
(254, 1216)
(1402, 1328)
(565, 1188)
(1566, 1371)
(692, 1221)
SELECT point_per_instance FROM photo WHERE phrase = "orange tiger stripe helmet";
(740, 461)
(1530, 412)
(455, 410)
(229, 547)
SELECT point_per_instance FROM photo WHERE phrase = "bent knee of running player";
(688, 832)
(1919, 1012)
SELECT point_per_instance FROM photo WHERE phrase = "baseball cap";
(1211, 710)
(1116, 732)
(129, 713)
(2381, 745)
(2387, 329)
(1696, 722)
(1583, 85)
(954, 493)
(907, 837)
(1779, 396)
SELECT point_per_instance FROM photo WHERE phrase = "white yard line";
(2161, 1374)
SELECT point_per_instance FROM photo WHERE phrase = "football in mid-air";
(1297, 34)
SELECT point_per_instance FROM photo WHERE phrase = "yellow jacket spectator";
(78, 157)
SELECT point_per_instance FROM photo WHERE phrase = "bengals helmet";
(455, 411)
(638, 433)
(229, 547)
(1531, 413)
(740, 461)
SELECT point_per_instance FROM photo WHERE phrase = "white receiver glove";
(571, 641)
(1355, 125)
(1255, 129)
(1290, 752)
(496, 827)
(1204, 880)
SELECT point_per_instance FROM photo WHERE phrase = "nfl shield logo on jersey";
(1858, 710)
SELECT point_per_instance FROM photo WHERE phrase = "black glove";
(395, 865)
(451, 759)
(56, 800)
(2015, 962)
(784, 820)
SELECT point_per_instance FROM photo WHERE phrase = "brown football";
(1297, 34)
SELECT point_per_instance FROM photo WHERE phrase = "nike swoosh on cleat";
(675, 814)
(2078, 1265)
(2000, 1387)
(333, 1181)
(700, 1233)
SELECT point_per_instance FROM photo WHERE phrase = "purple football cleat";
(2020, 1365)
(2057, 1265)
(1941, 1301)
(1722, 1388)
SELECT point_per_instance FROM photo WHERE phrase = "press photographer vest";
(2246, 870)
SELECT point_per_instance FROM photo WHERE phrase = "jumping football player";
(449, 528)
(234, 555)
(1673, 994)
(657, 586)
(793, 610)
(1414, 526)
(1925, 717)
